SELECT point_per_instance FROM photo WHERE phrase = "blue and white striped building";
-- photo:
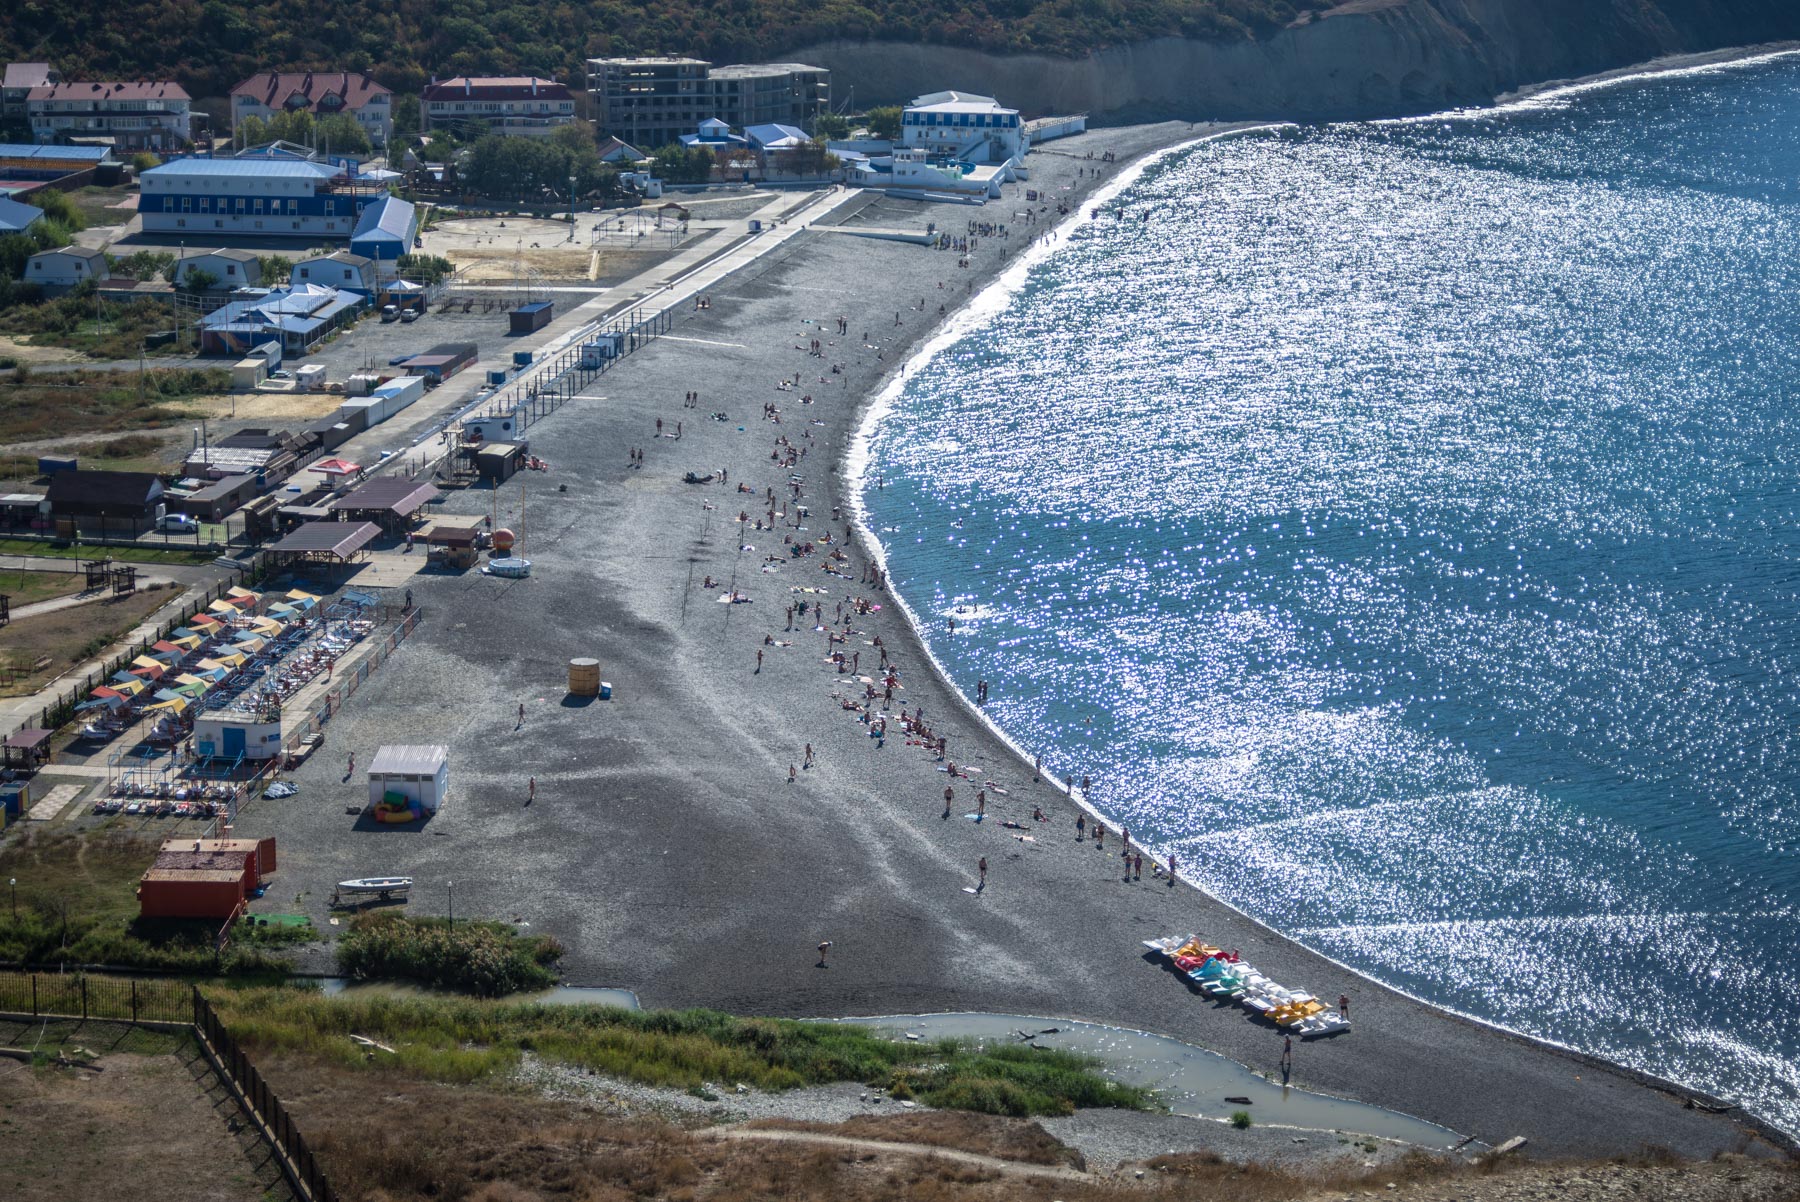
(266, 197)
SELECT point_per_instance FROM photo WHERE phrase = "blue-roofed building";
(299, 317)
(776, 136)
(387, 229)
(26, 160)
(267, 197)
(16, 217)
(713, 134)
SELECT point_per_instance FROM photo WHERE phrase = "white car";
(179, 523)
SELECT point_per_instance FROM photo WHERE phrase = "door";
(234, 741)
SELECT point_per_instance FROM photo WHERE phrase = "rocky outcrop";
(1362, 58)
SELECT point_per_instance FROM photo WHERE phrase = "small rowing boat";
(383, 885)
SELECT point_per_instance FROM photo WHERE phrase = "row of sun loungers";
(1222, 974)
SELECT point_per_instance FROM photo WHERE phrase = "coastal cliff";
(1363, 58)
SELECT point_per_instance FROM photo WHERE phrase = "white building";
(509, 104)
(271, 197)
(321, 93)
(919, 170)
(352, 273)
(417, 775)
(231, 268)
(962, 125)
(145, 115)
(65, 268)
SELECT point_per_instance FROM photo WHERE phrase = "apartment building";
(514, 105)
(321, 93)
(651, 102)
(142, 115)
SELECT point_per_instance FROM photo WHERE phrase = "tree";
(198, 279)
(406, 121)
(292, 125)
(831, 125)
(146, 264)
(143, 161)
(807, 159)
(276, 268)
(424, 269)
(340, 133)
(251, 131)
(884, 122)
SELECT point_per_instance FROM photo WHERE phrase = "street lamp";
(452, 905)
(571, 206)
(14, 883)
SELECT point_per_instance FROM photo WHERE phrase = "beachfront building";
(58, 271)
(227, 269)
(962, 125)
(16, 217)
(270, 197)
(923, 173)
(321, 93)
(514, 105)
(18, 81)
(154, 114)
(386, 230)
(299, 318)
(344, 270)
(651, 102)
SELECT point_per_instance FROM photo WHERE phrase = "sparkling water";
(1396, 521)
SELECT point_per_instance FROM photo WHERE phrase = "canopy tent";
(205, 622)
(267, 627)
(149, 673)
(225, 609)
(187, 640)
(195, 689)
(127, 684)
(148, 661)
(334, 467)
(300, 594)
(173, 705)
(241, 593)
(103, 697)
(249, 643)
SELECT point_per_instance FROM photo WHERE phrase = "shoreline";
(854, 467)
(670, 846)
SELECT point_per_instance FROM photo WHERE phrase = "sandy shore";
(667, 847)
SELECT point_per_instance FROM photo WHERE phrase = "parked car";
(179, 523)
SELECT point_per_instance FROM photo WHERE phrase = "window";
(306, 273)
(187, 202)
(231, 268)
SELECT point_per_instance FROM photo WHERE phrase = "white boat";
(383, 885)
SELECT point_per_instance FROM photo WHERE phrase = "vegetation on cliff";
(210, 45)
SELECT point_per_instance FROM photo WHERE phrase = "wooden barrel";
(584, 677)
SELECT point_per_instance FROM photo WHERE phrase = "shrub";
(1240, 1119)
(488, 959)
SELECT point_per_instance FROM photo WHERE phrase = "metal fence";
(79, 995)
(301, 1167)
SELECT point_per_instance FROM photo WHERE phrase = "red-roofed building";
(503, 104)
(151, 114)
(321, 93)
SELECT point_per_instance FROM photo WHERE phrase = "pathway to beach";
(679, 843)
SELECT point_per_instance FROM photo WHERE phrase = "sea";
(1397, 522)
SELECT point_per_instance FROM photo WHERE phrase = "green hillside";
(210, 45)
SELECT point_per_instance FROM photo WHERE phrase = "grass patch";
(464, 1039)
(117, 331)
(69, 550)
(77, 904)
(488, 959)
(28, 588)
(53, 404)
(67, 637)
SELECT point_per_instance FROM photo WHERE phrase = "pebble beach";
(677, 843)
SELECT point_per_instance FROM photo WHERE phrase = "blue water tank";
(521, 358)
(496, 376)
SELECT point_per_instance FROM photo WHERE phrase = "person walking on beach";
(980, 804)
(521, 715)
(1344, 1006)
(351, 770)
(1080, 828)
(809, 754)
(531, 790)
(981, 868)
(1287, 1053)
(824, 948)
(1100, 835)
(1137, 867)
(759, 661)
(1171, 870)
(949, 796)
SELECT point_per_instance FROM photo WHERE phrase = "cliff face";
(1363, 58)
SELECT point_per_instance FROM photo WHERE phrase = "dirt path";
(1010, 1168)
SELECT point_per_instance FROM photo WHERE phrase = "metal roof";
(29, 150)
(342, 539)
(394, 493)
(409, 759)
(16, 216)
(243, 169)
(389, 217)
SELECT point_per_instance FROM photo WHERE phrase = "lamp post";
(13, 882)
(452, 905)
(571, 205)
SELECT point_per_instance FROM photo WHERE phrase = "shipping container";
(528, 319)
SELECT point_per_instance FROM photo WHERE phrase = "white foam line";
(1537, 921)
(1551, 97)
(988, 303)
(855, 468)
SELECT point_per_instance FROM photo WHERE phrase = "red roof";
(496, 87)
(143, 89)
(273, 88)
